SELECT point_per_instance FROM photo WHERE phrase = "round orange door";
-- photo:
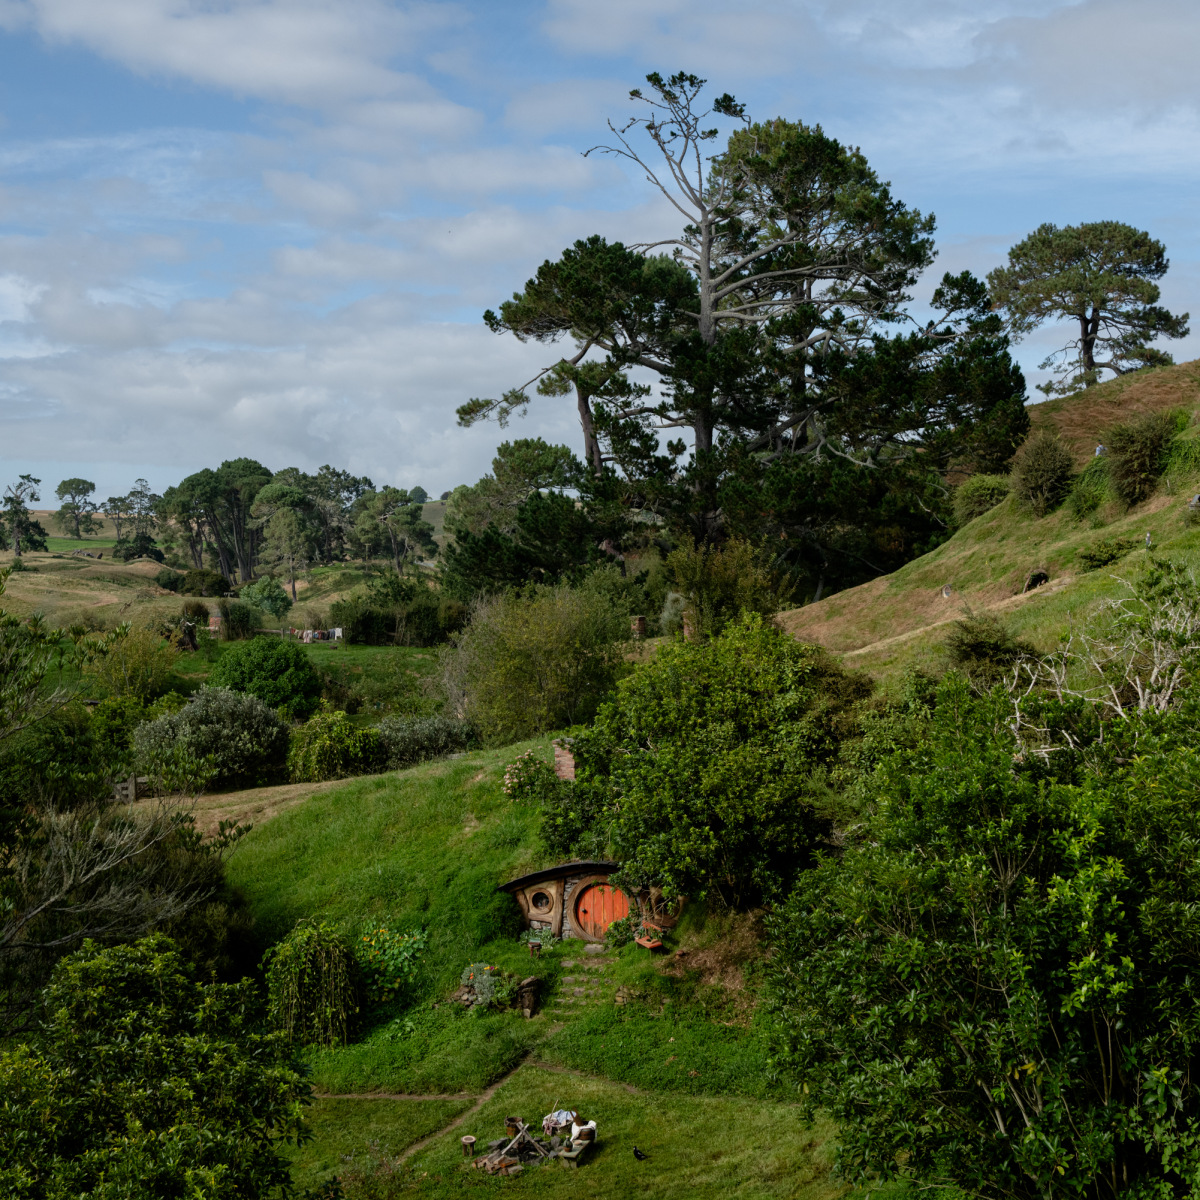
(597, 907)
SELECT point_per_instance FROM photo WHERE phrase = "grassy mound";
(899, 620)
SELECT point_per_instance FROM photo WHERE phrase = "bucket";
(468, 1145)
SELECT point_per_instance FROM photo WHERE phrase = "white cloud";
(311, 292)
(306, 52)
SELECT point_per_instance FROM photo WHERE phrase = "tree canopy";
(148, 1083)
(994, 986)
(1100, 276)
(759, 330)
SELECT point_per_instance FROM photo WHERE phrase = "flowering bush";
(487, 982)
(529, 778)
(388, 961)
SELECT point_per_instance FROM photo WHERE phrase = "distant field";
(67, 545)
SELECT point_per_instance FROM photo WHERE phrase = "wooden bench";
(649, 943)
(572, 1157)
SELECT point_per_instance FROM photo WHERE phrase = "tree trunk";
(1089, 328)
(591, 445)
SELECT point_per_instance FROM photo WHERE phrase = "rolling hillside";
(899, 620)
(665, 1052)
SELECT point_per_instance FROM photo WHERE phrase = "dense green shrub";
(239, 621)
(708, 762)
(146, 1083)
(268, 595)
(979, 494)
(1041, 472)
(277, 671)
(536, 661)
(203, 582)
(427, 619)
(72, 756)
(720, 582)
(984, 649)
(994, 986)
(168, 580)
(388, 962)
(329, 747)
(1138, 452)
(245, 739)
(141, 545)
(1091, 488)
(313, 985)
(572, 819)
(1183, 458)
(57, 761)
(1104, 553)
(133, 662)
(410, 740)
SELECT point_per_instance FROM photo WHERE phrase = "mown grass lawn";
(698, 1148)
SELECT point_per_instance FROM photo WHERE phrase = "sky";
(269, 228)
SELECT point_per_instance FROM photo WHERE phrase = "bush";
(278, 672)
(203, 582)
(330, 747)
(245, 740)
(133, 662)
(1041, 472)
(708, 762)
(1104, 553)
(56, 761)
(572, 818)
(719, 582)
(427, 620)
(536, 661)
(1137, 454)
(994, 986)
(312, 986)
(1091, 489)
(984, 649)
(388, 962)
(268, 595)
(141, 545)
(146, 1083)
(410, 740)
(168, 580)
(196, 611)
(978, 495)
(239, 621)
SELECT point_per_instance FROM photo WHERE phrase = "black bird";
(639, 1155)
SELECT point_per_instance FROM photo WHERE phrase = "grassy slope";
(683, 1063)
(899, 620)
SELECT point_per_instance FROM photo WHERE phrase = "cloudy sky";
(269, 227)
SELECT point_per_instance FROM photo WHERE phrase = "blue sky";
(269, 227)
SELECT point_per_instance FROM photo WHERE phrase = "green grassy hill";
(899, 620)
(678, 1064)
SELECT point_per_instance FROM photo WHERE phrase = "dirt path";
(1000, 606)
(256, 806)
(393, 1095)
(470, 1112)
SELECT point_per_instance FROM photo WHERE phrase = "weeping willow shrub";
(312, 985)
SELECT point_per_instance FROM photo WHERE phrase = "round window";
(540, 900)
